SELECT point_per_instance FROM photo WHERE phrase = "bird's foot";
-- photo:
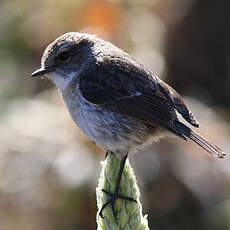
(113, 197)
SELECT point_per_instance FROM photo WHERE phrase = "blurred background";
(48, 167)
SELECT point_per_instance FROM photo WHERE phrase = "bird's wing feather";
(128, 92)
(178, 103)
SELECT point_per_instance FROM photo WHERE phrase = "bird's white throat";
(61, 82)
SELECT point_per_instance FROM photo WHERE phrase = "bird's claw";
(112, 199)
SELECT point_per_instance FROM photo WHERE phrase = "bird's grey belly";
(109, 130)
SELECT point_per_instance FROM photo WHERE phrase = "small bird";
(120, 104)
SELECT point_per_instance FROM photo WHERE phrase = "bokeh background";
(48, 167)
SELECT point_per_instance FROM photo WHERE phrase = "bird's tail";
(183, 130)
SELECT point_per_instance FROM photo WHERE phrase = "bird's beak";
(40, 72)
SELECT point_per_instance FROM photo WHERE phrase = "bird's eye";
(64, 56)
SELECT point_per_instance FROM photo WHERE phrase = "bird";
(115, 100)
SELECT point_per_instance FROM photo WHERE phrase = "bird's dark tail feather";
(182, 129)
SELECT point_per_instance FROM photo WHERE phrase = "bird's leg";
(113, 196)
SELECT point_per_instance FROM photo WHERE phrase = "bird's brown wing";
(178, 103)
(137, 94)
(133, 93)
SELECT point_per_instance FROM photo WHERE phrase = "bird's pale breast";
(110, 131)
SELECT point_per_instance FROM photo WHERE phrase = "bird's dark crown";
(67, 42)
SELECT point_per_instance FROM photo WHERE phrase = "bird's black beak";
(40, 72)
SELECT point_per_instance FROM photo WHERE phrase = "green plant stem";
(129, 213)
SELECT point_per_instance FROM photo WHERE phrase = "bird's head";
(64, 58)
